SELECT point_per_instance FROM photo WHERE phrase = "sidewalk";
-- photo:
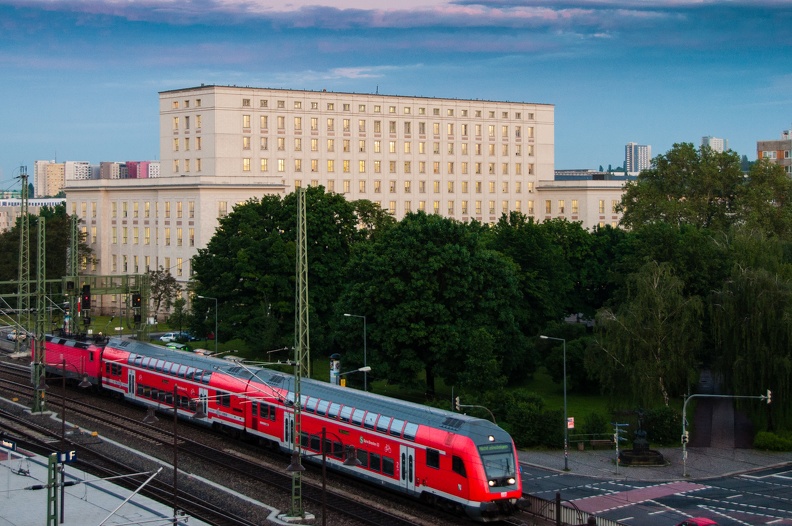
(702, 463)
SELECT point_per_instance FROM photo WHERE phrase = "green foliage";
(593, 424)
(442, 302)
(527, 419)
(663, 425)
(163, 290)
(772, 441)
(646, 349)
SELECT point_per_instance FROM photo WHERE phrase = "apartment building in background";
(637, 157)
(716, 143)
(777, 151)
(49, 178)
(221, 145)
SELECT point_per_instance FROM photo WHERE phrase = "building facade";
(11, 209)
(220, 146)
(777, 151)
(637, 157)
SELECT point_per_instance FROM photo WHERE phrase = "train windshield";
(498, 460)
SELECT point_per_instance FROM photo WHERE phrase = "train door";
(288, 429)
(130, 382)
(407, 467)
(203, 395)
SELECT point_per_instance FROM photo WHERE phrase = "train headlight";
(491, 483)
(491, 438)
(511, 480)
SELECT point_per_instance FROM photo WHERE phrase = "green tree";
(687, 185)
(58, 242)
(752, 325)
(164, 289)
(646, 350)
(766, 200)
(179, 318)
(249, 266)
(438, 302)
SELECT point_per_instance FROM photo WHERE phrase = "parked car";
(14, 335)
(169, 337)
(698, 521)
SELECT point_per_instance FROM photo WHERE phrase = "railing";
(555, 510)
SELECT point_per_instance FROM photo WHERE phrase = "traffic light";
(685, 437)
(456, 403)
(136, 300)
(86, 297)
(769, 394)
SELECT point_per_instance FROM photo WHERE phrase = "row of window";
(361, 108)
(774, 154)
(478, 168)
(170, 368)
(139, 209)
(166, 397)
(147, 236)
(360, 417)
(178, 268)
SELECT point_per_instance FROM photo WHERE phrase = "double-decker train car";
(457, 461)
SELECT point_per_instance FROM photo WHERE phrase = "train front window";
(499, 465)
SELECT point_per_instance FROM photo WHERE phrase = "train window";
(458, 466)
(206, 376)
(338, 450)
(387, 466)
(304, 439)
(159, 366)
(272, 414)
(396, 427)
(374, 462)
(357, 416)
(139, 390)
(146, 391)
(333, 411)
(182, 370)
(321, 409)
(315, 443)
(433, 458)
(383, 423)
(224, 400)
(174, 368)
(311, 405)
(254, 408)
(145, 362)
(410, 430)
(362, 456)
(370, 420)
(346, 413)
(90, 356)
(189, 373)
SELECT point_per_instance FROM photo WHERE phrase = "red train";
(457, 461)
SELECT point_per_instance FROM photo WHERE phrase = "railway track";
(196, 455)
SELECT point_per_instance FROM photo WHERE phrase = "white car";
(169, 337)
(14, 335)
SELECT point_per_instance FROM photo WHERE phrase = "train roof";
(271, 381)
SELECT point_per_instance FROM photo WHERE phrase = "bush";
(594, 424)
(772, 442)
(663, 425)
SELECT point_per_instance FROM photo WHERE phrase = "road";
(761, 497)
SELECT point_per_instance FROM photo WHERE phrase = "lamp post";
(566, 418)
(363, 370)
(365, 374)
(349, 460)
(215, 331)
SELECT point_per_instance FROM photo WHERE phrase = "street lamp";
(215, 332)
(566, 418)
(350, 460)
(363, 370)
(365, 374)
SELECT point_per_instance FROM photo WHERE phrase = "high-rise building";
(777, 151)
(637, 157)
(49, 177)
(716, 143)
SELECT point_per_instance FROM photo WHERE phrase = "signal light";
(86, 297)
(136, 300)
(456, 403)
(685, 437)
(769, 394)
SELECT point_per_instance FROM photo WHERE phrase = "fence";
(563, 515)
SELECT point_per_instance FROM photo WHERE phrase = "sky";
(79, 79)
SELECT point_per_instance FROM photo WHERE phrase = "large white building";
(221, 145)
(716, 143)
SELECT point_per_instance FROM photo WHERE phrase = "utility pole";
(302, 355)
